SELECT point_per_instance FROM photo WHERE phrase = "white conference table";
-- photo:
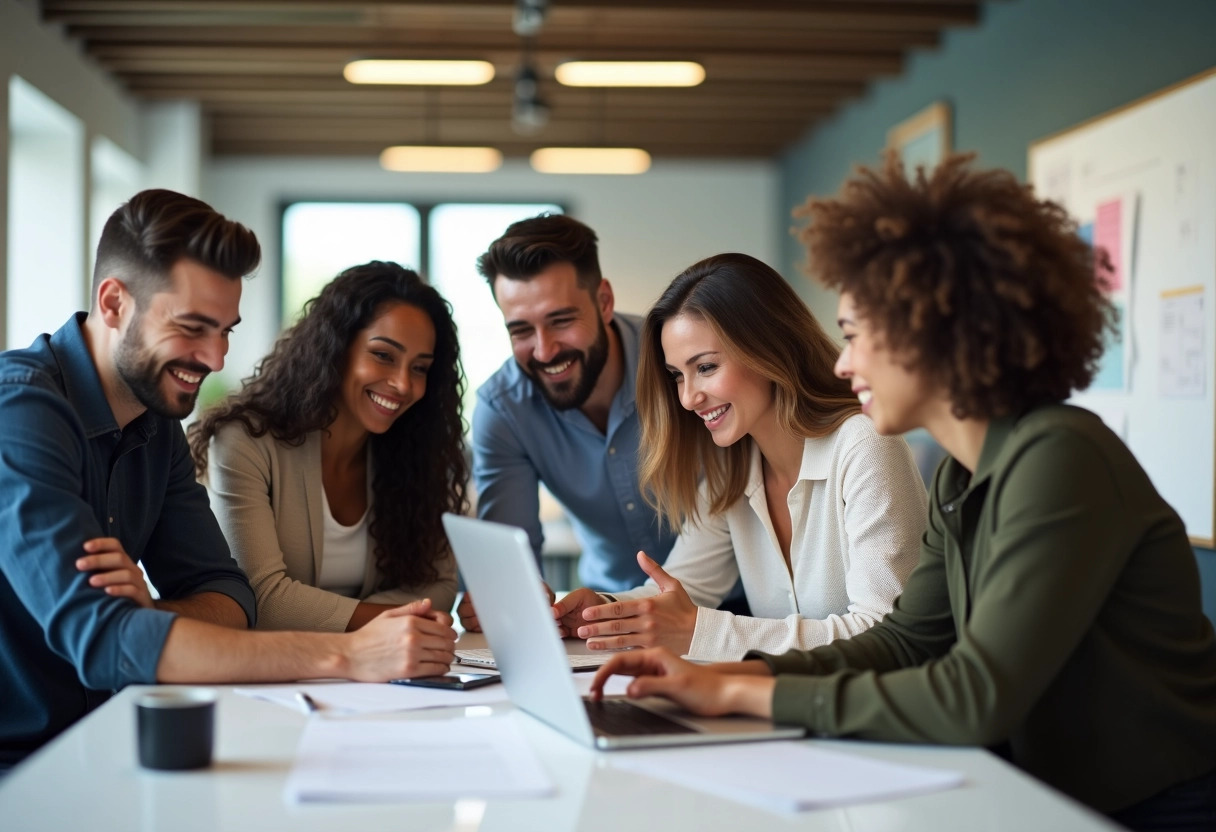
(89, 778)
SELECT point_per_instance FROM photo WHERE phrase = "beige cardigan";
(267, 496)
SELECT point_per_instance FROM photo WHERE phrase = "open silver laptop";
(501, 574)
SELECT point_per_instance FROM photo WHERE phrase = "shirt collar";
(957, 480)
(816, 461)
(81, 383)
(629, 335)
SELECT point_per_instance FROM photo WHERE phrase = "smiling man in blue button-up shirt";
(562, 410)
(96, 475)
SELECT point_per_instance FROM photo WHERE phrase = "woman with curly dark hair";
(1055, 612)
(330, 469)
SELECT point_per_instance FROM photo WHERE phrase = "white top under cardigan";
(345, 551)
(858, 512)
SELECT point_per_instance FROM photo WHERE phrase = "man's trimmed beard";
(142, 373)
(567, 395)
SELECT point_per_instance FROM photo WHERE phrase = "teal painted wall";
(1029, 69)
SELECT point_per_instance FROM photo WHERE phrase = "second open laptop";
(500, 572)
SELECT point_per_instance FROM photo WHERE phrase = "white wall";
(40, 55)
(650, 226)
(174, 138)
(46, 237)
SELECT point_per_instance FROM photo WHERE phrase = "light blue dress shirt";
(520, 440)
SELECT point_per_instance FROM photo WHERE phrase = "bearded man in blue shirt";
(96, 476)
(562, 410)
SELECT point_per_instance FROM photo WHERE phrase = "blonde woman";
(800, 497)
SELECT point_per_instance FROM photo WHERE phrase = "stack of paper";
(786, 777)
(414, 759)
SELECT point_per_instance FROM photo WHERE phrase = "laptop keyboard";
(482, 657)
(618, 718)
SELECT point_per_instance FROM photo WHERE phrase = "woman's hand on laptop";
(402, 642)
(664, 620)
(705, 690)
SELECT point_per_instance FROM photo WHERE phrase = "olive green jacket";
(1055, 608)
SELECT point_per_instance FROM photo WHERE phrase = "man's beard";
(141, 372)
(567, 395)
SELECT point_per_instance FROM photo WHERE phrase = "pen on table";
(307, 702)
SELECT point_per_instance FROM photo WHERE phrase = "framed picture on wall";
(922, 139)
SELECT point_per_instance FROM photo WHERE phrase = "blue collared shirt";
(68, 474)
(520, 440)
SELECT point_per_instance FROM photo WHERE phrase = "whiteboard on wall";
(1141, 182)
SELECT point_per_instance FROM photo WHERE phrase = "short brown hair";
(155, 228)
(766, 327)
(984, 289)
(530, 246)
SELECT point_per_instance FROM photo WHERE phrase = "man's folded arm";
(187, 557)
(110, 641)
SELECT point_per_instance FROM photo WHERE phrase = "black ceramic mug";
(175, 727)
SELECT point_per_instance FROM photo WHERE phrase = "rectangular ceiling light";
(435, 159)
(630, 73)
(621, 160)
(446, 73)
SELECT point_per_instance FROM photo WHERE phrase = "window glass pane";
(459, 233)
(321, 239)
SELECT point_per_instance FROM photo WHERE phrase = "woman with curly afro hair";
(1055, 612)
(330, 469)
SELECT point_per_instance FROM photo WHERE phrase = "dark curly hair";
(987, 291)
(421, 470)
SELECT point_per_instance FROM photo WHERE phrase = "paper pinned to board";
(787, 776)
(389, 760)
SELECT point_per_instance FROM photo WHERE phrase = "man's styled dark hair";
(530, 246)
(155, 228)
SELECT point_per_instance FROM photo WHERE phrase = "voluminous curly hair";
(765, 326)
(419, 463)
(983, 289)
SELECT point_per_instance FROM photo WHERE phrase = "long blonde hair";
(764, 325)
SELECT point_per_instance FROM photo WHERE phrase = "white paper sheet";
(372, 698)
(1181, 370)
(385, 760)
(786, 776)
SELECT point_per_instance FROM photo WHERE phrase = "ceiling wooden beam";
(843, 14)
(377, 41)
(355, 147)
(767, 67)
(189, 85)
(475, 130)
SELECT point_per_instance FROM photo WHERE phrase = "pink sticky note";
(1108, 234)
